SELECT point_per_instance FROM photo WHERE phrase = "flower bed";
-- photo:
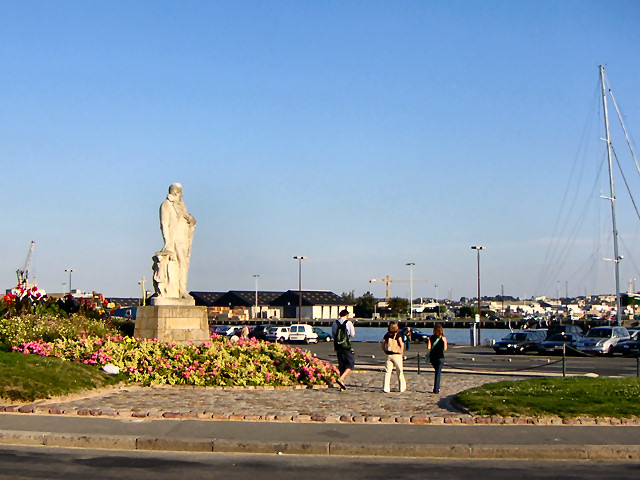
(216, 363)
(48, 327)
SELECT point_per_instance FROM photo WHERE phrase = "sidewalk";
(359, 421)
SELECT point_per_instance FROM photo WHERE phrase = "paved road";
(74, 464)
(464, 357)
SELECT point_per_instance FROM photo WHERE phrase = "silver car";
(600, 340)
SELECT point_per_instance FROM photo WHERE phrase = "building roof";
(309, 298)
(245, 298)
(206, 299)
(124, 302)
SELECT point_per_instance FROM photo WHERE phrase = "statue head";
(176, 190)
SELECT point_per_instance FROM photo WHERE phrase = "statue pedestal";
(172, 323)
(182, 302)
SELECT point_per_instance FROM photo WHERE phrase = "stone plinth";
(172, 323)
(183, 302)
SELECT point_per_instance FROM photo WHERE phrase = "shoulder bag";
(428, 355)
(393, 346)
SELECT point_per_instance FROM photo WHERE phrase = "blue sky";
(362, 135)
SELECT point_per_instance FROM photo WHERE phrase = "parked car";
(520, 342)
(226, 330)
(628, 347)
(555, 343)
(259, 332)
(600, 340)
(277, 334)
(417, 336)
(322, 335)
(563, 328)
(302, 332)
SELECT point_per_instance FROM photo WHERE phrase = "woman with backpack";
(437, 344)
(393, 346)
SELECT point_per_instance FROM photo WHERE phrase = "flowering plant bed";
(215, 363)
(48, 327)
(25, 301)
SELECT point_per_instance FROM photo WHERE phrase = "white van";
(302, 332)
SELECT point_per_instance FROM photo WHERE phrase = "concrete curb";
(215, 445)
(465, 418)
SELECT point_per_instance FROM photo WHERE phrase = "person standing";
(437, 344)
(393, 346)
(244, 333)
(407, 338)
(343, 331)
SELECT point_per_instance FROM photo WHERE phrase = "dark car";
(563, 328)
(555, 343)
(417, 336)
(520, 342)
(259, 332)
(322, 335)
(628, 347)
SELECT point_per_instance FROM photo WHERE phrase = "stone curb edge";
(452, 419)
(216, 445)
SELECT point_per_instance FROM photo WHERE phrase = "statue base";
(185, 302)
(173, 323)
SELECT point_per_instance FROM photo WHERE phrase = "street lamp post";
(256, 311)
(300, 258)
(69, 271)
(410, 265)
(477, 248)
(144, 293)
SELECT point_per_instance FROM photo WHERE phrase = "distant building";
(241, 304)
(118, 302)
(315, 304)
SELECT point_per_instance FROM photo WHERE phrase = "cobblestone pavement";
(362, 399)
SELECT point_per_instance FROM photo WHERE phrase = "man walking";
(343, 331)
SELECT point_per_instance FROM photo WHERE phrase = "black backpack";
(342, 343)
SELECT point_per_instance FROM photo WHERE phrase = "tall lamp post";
(256, 311)
(69, 271)
(477, 248)
(410, 265)
(144, 293)
(300, 286)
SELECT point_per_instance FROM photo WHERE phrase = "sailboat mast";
(612, 197)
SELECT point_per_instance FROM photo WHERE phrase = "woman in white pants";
(393, 346)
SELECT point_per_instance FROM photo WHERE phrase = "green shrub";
(31, 327)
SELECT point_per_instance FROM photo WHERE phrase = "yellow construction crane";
(388, 280)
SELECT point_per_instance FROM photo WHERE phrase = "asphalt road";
(80, 464)
(484, 359)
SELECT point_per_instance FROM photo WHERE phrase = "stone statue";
(171, 264)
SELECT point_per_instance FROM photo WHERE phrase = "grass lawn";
(25, 378)
(562, 397)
